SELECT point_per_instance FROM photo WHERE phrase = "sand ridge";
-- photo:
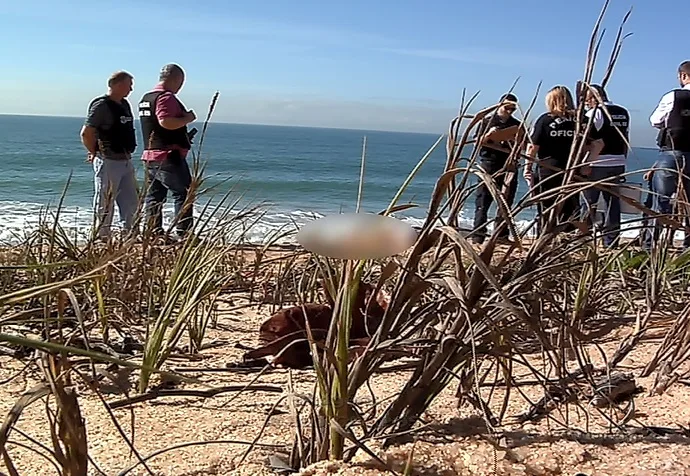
(455, 441)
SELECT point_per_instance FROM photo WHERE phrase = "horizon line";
(302, 126)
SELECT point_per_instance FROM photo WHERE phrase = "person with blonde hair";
(552, 137)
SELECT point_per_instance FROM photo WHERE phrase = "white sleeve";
(627, 146)
(660, 114)
(598, 118)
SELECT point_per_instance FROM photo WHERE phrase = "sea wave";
(19, 219)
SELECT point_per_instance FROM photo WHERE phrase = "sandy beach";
(454, 440)
(123, 352)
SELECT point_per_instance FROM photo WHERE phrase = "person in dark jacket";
(109, 138)
(495, 163)
(552, 138)
(672, 169)
(164, 121)
(611, 123)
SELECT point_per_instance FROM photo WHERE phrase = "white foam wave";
(19, 219)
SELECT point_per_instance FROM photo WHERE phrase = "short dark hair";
(684, 67)
(117, 77)
(170, 70)
(601, 91)
(508, 97)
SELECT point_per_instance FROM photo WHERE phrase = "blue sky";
(359, 64)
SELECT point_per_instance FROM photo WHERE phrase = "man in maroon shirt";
(164, 121)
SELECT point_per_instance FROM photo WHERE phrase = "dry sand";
(455, 444)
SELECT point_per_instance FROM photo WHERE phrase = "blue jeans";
(612, 217)
(484, 200)
(671, 170)
(646, 234)
(114, 182)
(163, 176)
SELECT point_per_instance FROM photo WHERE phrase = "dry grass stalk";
(462, 315)
(107, 302)
(490, 309)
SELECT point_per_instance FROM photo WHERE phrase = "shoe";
(164, 240)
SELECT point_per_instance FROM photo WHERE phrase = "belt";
(117, 159)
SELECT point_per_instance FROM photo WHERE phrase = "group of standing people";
(605, 148)
(110, 139)
(109, 136)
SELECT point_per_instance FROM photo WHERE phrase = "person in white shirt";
(672, 118)
(612, 124)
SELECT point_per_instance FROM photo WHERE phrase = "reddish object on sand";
(287, 326)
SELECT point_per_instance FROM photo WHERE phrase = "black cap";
(508, 97)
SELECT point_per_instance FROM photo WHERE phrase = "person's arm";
(95, 118)
(531, 154)
(598, 121)
(650, 173)
(536, 137)
(172, 123)
(627, 136)
(131, 113)
(594, 142)
(168, 113)
(89, 139)
(481, 133)
(535, 140)
(594, 149)
(658, 117)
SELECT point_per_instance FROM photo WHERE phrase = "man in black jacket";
(494, 162)
(164, 121)
(611, 123)
(109, 138)
(672, 169)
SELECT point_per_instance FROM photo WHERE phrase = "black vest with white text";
(675, 135)
(157, 137)
(120, 138)
(615, 134)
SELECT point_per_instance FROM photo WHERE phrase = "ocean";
(295, 173)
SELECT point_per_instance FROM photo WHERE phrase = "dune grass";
(464, 316)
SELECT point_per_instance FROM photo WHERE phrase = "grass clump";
(459, 316)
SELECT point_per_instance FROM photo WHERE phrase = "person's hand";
(90, 157)
(190, 116)
(490, 132)
(648, 175)
(586, 170)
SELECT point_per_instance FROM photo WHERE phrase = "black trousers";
(484, 199)
(175, 176)
(549, 180)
